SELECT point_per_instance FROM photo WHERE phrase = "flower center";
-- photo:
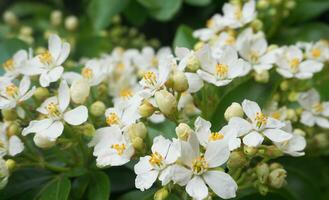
(120, 148)
(214, 136)
(254, 57)
(8, 65)
(12, 90)
(294, 65)
(238, 13)
(318, 107)
(156, 159)
(154, 62)
(126, 93)
(230, 40)
(210, 23)
(112, 119)
(52, 109)
(46, 58)
(120, 66)
(221, 70)
(276, 115)
(150, 77)
(87, 73)
(199, 165)
(316, 53)
(260, 119)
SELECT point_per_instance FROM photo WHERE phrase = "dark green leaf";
(79, 186)
(134, 195)
(33, 9)
(126, 177)
(135, 13)
(102, 11)
(57, 189)
(198, 2)
(184, 37)
(150, 4)
(167, 10)
(99, 186)
(166, 129)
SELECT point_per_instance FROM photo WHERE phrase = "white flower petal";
(322, 122)
(307, 118)
(217, 153)
(196, 188)
(37, 126)
(143, 166)
(242, 126)
(221, 183)
(63, 96)
(253, 139)
(76, 116)
(181, 175)
(277, 135)
(146, 180)
(195, 83)
(53, 131)
(16, 146)
(202, 130)
(54, 45)
(250, 108)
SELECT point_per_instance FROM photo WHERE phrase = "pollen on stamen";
(318, 107)
(126, 93)
(316, 53)
(150, 77)
(120, 148)
(8, 65)
(214, 136)
(221, 70)
(199, 165)
(112, 119)
(294, 65)
(156, 159)
(52, 109)
(12, 90)
(87, 73)
(46, 58)
(261, 119)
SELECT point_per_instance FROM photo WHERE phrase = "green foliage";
(198, 2)
(56, 189)
(99, 186)
(184, 37)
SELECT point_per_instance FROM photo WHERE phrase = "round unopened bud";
(236, 160)
(183, 131)
(250, 151)
(10, 18)
(9, 114)
(86, 129)
(161, 194)
(277, 178)
(56, 18)
(284, 85)
(71, 23)
(262, 76)
(193, 63)
(80, 90)
(291, 114)
(26, 31)
(262, 171)
(43, 142)
(263, 4)
(170, 81)
(198, 45)
(146, 109)
(11, 164)
(138, 143)
(234, 110)
(97, 108)
(274, 166)
(257, 25)
(263, 189)
(166, 102)
(293, 96)
(273, 151)
(276, 2)
(180, 83)
(137, 130)
(41, 93)
(13, 129)
(321, 140)
(290, 4)
(300, 132)
(273, 11)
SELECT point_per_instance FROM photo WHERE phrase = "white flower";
(291, 64)
(201, 169)
(316, 112)
(294, 147)
(317, 51)
(214, 24)
(206, 136)
(4, 173)
(235, 16)
(253, 48)
(111, 147)
(11, 95)
(258, 126)
(9, 144)
(57, 112)
(223, 70)
(158, 164)
(49, 63)
(14, 65)
(186, 103)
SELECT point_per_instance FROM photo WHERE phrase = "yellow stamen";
(316, 53)
(254, 57)
(8, 65)
(210, 23)
(238, 13)
(12, 90)
(112, 119)
(199, 165)
(150, 77)
(126, 93)
(276, 115)
(318, 107)
(154, 62)
(156, 159)
(230, 40)
(221, 70)
(120, 148)
(46, 58)
(261, 119)
(294, 65)
(120, 66)
(214, 136)
(52, 109)
(87, 73)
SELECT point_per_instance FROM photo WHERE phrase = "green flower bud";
(180, 83)
(137, 130)
(277, 178)
(146, 109)
(9, 114)
(41, 93)
(234, 110)
(262, 76)
(166, 102)
(80, 90)
(290, 4)
(257, 25)
(10, 18)
(97, 109)
(183, 131)
(56, 18)
(273, 152)
(43, 142)
(274, 166)
(71, 23)
(300, 132)
(293, 96)
(262, 171)
(249, 151)
(138, 143)
(11, 164)
(26, 31)
(284, 85)
(321, 140)
(236, 160)
(198, 45)
(263, 4)
(161, 194)
(291, 114)
(263, 189)
(193, 64)
(13, 129)
(86, 129)
(170, 81)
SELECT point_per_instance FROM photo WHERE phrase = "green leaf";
(167, 10)
(166, 129)
(184, 37)
(57, 189)
(79, 186)
(33, 9)
(99, 186)
(102, 11)
(134, 195)
(198, 2)
(306, 32)
(135, 13)
(151, 4)
(126, 177)
(306, 10)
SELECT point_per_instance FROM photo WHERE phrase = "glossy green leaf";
(184, 37)
(198, 2)
(166, 129)
(102, 11)
(150, 4)
(167, 10)
(99, 186)
(135, 13)
(126, 177)
(57, 189)
(134, 195)
(33, 9)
